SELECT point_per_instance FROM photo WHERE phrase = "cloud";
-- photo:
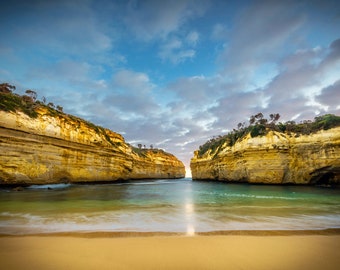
(131, 81)
(192, 38)
(175, 51)
(301, 89)
(126, 105)
(333, 57)
(68, 26)
(330, 97)
(163, 22)
(219, 32)
(196, 90)
(152, 19)
(131, 95)
(260, 34)
(235, 107)
(304, 75)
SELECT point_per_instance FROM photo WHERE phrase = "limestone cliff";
(275, 158)
(62, 148)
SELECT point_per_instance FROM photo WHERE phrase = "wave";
(21, 223)
(155, 182)
(264, 197)
(18, 215)
(49, 186)
(239, 195)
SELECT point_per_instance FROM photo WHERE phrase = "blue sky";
(175, 73)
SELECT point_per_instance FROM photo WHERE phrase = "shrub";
(260, 126)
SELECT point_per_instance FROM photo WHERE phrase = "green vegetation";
(259, 126)
(12, 102)
(28, 104)
(143, 151)
(139, 151)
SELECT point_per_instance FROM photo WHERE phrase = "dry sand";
(171, 252)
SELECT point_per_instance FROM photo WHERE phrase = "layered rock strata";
(276, 158)
(62, 148)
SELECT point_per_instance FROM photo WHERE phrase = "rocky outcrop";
(276, 158)
(62, 148)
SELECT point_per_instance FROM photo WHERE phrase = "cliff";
(54, 147)
(275, 158)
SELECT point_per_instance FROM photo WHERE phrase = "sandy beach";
(232, 251)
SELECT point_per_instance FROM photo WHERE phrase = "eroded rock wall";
(54, 149)
(276, 158)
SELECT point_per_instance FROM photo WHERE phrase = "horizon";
(173, 74)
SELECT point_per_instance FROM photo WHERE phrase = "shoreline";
(127, 234)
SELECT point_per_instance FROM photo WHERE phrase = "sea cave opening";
(325, 178)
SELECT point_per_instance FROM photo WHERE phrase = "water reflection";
(189, 208)
(168, 205)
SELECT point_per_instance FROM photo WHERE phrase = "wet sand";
(236, 250)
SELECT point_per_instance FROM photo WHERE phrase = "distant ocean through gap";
(180, 206)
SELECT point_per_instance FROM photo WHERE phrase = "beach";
(170, 224)
(273, 250)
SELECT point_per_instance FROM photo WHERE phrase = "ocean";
(180, 206)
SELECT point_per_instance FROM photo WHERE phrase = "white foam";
(51, 186)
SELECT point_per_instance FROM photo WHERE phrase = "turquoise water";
(167, 206)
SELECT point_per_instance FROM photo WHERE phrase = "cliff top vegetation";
(30, 105)
(260, 126)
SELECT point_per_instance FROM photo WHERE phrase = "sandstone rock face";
(276, 158)
(62, 148)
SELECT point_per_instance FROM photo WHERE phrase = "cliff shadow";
(326, 176)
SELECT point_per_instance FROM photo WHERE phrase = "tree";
(151, 146)
(252, 120)
(290, 126)
(263, 121)
(6, 88)
(51, 105)
(32, 94)
(27, 99)
(140, 146)
(241, 125)
(274, 117)
(59, 108)
(259, 116)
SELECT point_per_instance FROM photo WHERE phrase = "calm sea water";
(167, 206)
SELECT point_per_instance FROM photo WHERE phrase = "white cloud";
(219, 32)
(305, 74)
(175, 51)
(196, 91)
(150, 19)
(330, 97)
(192, 38)
(163, 21)
(259, 37)
(131, 81)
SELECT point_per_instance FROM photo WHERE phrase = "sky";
(173, 74)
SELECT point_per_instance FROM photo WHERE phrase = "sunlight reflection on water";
(190, 212)
(190, 218)
(168, 206)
